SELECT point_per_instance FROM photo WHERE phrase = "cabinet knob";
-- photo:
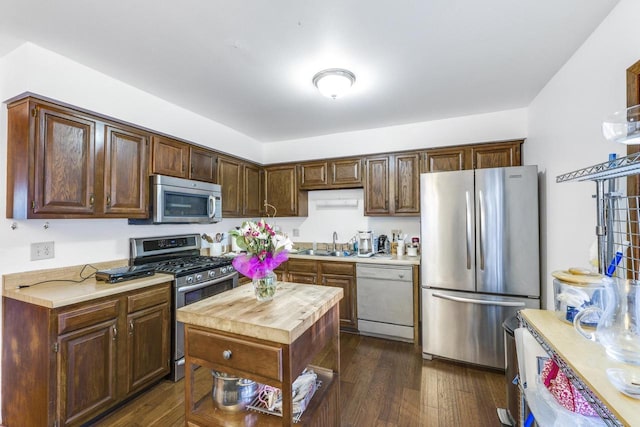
(115, 332)
(109, 201)
(130, 327)
(92, 200)
(227, 354)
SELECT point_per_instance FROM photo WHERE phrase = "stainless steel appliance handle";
(479, 301)
(212, 206)
(205, 284)
(469, 234)
(481, 228)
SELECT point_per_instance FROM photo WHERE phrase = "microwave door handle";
(212, 206)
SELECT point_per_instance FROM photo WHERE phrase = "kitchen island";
(268, 342)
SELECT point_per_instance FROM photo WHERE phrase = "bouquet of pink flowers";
(265, 248)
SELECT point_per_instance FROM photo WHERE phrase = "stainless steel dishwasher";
(385, 300)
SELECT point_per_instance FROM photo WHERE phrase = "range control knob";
(223, 270)
(212, 273)
(198, 277)
(189, 279)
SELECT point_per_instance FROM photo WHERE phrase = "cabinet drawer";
(148, 298)
(302, 265)
(304, 278)
(342, 268)
(245, 356)
(87, 315)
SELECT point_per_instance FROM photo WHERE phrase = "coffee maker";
(365, 244)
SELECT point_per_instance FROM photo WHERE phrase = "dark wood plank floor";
(383, 383)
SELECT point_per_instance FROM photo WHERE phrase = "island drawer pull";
(227, 354)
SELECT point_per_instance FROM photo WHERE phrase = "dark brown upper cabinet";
(65, 163)
(392, 185)
(230, 177)
(169, 157)
(203, 164)
(475, 156)
(331, 174)
(282, 196)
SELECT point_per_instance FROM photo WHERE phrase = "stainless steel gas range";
(196, 277)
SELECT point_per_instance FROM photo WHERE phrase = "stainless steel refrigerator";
(480, 259)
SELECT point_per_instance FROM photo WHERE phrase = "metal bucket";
(232, 394)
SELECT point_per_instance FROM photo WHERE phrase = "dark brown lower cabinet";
(342, 275)
(64, 366)
(328, 273)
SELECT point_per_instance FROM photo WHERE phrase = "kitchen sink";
(325, 253)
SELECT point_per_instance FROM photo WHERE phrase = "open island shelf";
(270, 343)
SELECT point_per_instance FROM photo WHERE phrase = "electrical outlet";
(296, 232)
(41, 250)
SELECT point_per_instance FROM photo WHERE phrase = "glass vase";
(265, 287)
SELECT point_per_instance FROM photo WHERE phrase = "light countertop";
(58, 291)
(377, 259)
(294, 308)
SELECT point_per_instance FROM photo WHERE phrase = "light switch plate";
(42, 250)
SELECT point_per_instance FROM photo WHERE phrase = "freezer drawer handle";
(479, 301)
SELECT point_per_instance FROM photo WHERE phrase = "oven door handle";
(205, 284)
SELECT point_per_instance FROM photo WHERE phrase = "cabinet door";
(376, 195)
(313, 175)
(348, 315)
(444, 159)
(203, 164)
(125, 172)
(496, 155)
(170, 157)
(148, 346)
(346, 173)
(281, 190)
(230, 178)
(253, 192)
(406, 184)
(64, 162)
(87, 372)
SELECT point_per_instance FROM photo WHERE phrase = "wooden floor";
(384, 383)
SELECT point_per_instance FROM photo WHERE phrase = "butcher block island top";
(268, 342)
(292, 311)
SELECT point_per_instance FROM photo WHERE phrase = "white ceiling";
(248, 64)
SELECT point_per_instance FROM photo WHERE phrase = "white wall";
(497, 126)
(31, 68)
(564, 135)
(321, 222)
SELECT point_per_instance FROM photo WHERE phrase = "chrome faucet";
(335, 237)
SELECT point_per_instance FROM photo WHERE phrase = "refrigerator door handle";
(479, 301)
(469, 223)
(481, 228)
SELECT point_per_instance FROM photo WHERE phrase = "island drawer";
(239, 355)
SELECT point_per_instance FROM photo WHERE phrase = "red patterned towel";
(564, 392)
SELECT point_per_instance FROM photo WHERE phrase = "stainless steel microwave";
(182, 201)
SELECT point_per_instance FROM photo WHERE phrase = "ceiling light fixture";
(334, 82)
